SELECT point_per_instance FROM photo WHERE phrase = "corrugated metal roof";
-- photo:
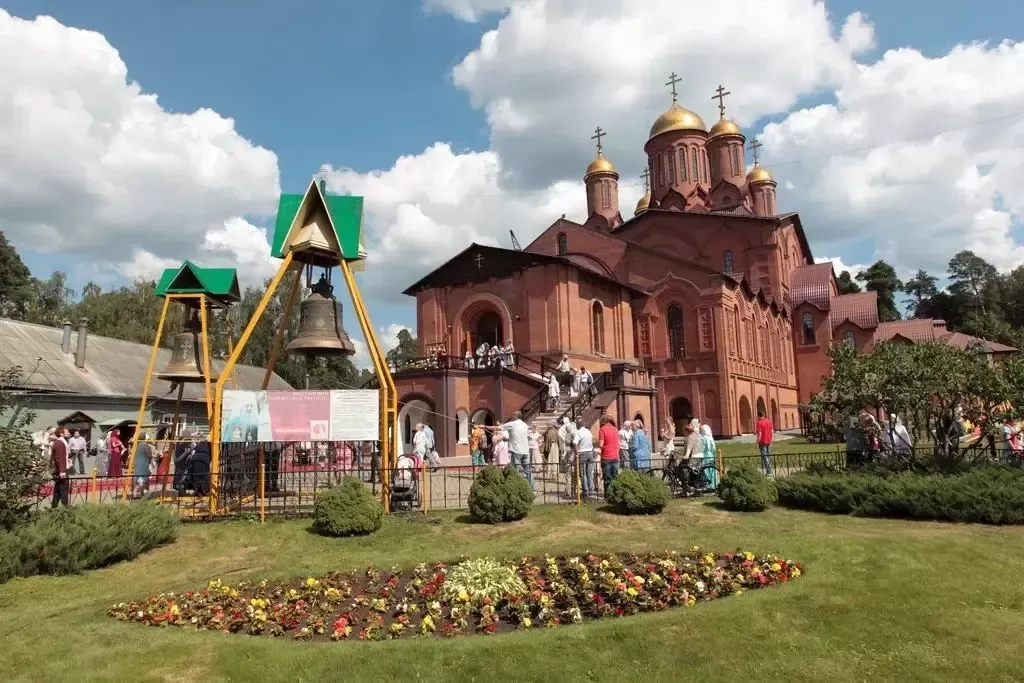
(861, 309)
(811, 284)
(112, 367)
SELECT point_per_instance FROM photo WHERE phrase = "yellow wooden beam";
(275, 348)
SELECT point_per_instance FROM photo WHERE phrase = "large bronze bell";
(186, 355)
(320, 329)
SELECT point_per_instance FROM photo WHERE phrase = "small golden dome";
(725, 127)
(600, 165)
(759, 174)
(643, 204)
(677, 118)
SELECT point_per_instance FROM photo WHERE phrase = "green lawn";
(731, 449)
(879, 600)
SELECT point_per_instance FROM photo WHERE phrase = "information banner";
(336, 415)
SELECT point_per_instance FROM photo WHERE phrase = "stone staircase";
(546, 418)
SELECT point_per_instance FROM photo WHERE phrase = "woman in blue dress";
(640, 449)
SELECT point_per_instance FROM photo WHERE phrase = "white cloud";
(838, 265)
(388, 338)
(89, 162)
(467, 10)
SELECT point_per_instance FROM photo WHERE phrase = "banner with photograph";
(336, 415)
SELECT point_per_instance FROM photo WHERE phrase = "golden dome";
(759, 174)
(600, 165)
(724, 127)
(677, 118)
(643, 204)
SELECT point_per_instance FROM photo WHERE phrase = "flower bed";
(389, 604)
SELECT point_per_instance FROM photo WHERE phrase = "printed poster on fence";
(348, 415)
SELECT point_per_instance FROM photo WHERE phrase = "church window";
(848, 338)
(808, 328)
(563, 244)
(727, 262)
(735, 159)
(703, 166)
(693, 160)
(597, 314)
(670, 165)
(682, 164)
(675, 331)
(606, 194)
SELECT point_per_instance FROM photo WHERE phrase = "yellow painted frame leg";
(229, 366)
(388, 393)
(207, 369)
(139, 420)
(278, 343)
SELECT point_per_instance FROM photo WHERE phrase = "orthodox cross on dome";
(755, 148)
(646, 175)
(479, 258)
(672, 80)
(598, 134)
(719, 95)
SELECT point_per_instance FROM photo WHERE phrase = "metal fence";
(286, 483)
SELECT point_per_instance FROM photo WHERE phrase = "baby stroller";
(405, 489)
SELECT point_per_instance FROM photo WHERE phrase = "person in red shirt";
(765, 430)
(608, 443)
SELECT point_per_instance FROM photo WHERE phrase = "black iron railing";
(586, 397)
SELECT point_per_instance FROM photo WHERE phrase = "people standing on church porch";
(765, 433)
(563, 370)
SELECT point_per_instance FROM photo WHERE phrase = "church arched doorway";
(746, 419)
(487, 329)
(413, 412)
(775, 415)
(681, 411)
(482, 416)
(761, 408)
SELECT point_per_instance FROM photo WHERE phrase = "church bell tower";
(602, 183)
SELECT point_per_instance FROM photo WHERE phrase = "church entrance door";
(746, 419)
(488, 329)
(681, 411)
(775, 415)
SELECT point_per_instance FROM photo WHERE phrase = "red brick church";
(705, 302)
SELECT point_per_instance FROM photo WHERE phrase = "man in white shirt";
(432, 457)
(625, 437)
(583, 442)
(77, 445)
(554, 392)
(519, 444)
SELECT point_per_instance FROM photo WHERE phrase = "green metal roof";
(345, 212)
(188, 278)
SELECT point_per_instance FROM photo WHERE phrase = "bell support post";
(229, 366)
(278, 344)
(389, 396)
(204, 340)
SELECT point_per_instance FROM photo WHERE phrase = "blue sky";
(380, 71)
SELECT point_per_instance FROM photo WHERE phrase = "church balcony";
(476, 365)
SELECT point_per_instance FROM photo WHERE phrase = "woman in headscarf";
(901, 442)
(710, 451)
(640, 448)
(140, 468)
(116, 449)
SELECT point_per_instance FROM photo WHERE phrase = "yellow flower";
(631, 592)
(174, 609)
(526, 622)
(463, 596)
(748, 556)
(312, 583)
(776, 566)
(639, 580)
(794, 572)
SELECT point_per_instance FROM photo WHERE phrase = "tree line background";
(132, 312)
(978, 301)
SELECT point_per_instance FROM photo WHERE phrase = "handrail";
(584, 400)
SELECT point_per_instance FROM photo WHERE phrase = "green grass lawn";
(879, 600)
(797, 444)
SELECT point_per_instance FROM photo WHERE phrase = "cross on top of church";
(479, 258)
(755, 147)
(672, 80)
(598, 134)
(646, 175)
(719, 95)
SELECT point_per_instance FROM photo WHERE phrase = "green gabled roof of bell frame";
(188, 278)
(346, 214)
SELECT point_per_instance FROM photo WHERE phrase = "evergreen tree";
(881, 278)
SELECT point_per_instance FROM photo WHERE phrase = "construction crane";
(515, 242)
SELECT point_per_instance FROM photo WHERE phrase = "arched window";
(808, 328)
(693, 162)
(606, 194)
(727, 261)
(670, 166)
(682, 164)
(563, 244)
(675, 331)
(597, 315)
(408, 428)
(848, 338)
(735, 160)
(703, 166)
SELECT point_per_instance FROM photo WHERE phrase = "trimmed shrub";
(348, 509)
(988, 495)
(633, 493)
(746, 489)
(499, 495)
(72, 540)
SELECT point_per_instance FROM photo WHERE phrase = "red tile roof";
(962, 341)
(861, 309)
(811, 284)
(923, 330)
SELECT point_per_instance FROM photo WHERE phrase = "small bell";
(186, 355)
(320, 329)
